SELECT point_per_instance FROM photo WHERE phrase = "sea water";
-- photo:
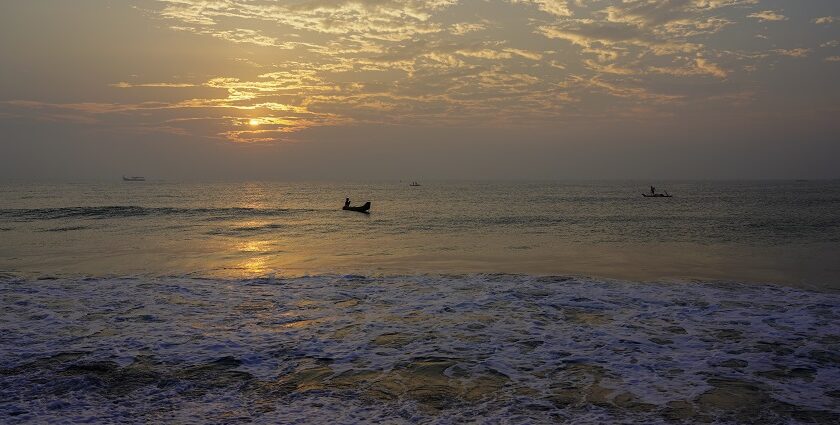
(450, 302)
(764, 232)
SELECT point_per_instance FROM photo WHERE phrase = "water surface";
(417, 349)
(451, 302)
(780, 232)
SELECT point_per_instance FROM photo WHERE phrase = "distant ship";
(134, 179)
(414, 184)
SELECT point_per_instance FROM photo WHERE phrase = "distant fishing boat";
(362, 209)
(134, 179)
(414, 183)
(653, 194)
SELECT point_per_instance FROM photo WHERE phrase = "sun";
(254, 122)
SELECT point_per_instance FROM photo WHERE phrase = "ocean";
(487, 302)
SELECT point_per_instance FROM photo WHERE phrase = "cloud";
(506, 53)
(316, 63)
(826, 20)
(794, 53)
(553, 7)
(380, 19)
(768, 16)
(624, 91)
(462, 28)
(238, 35)
(125, 85)
(706, 67)
(698, 66)
(586, 33)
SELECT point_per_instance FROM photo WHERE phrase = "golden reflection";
(302, 323)
(253, 246)
(254, 266)
(259, 248)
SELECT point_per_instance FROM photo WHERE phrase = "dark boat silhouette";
(414, 183)
(133, 179)
(657, 195)
(363, 209)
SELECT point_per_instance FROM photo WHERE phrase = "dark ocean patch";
(64, 229)
(9, 276)
(110, 212)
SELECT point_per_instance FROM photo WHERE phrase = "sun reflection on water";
(254, 246)
(254, 266)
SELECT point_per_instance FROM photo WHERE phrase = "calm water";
(450, 302)
(779, 232)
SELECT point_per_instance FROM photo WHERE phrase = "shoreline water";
(431, 349)
(13, 277)
(812, 269)
(265, 303)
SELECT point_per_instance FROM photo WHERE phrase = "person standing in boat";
(652, 190)
(346, 202)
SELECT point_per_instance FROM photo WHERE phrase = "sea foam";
(420, 348)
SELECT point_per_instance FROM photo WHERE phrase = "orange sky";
(484, 89)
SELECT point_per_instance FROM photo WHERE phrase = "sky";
(419, 89)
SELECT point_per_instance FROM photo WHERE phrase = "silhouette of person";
(652, 190)
(346, 202)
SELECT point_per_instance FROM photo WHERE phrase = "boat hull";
(362, 209)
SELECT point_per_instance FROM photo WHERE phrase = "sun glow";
(254, 122)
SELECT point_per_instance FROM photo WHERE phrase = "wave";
(417, 348)
(65, 229)
(109, 212)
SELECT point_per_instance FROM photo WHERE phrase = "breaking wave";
(418, 348)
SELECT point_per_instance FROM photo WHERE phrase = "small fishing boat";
(134, 179)
(363, 209)
(657, 195)
(414, 184)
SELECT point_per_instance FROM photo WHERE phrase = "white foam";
(660, 342)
